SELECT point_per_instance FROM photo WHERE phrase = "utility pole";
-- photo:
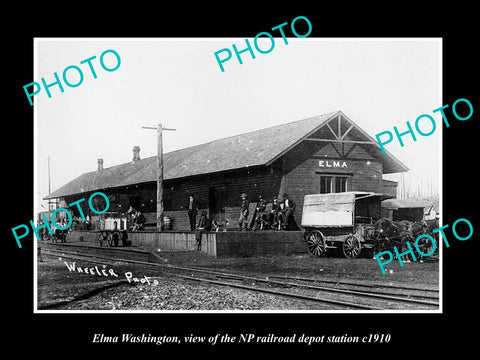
(49, 189)
(159, 129)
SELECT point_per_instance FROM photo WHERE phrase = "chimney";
(136, 153)
(100, 164)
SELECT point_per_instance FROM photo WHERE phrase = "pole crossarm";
(156, 128)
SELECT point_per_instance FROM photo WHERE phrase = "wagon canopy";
(334, 209)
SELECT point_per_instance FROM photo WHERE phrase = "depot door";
(217, 201)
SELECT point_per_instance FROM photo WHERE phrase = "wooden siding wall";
(243, 244)
(209, 243)
(221, 244)
(149, 240)
(264, 181)
(390, 187)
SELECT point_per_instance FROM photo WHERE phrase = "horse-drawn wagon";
(343, 221)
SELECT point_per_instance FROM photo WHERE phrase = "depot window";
(333, 184)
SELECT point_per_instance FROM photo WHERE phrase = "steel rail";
(400, 287)
(279, 293)
(321, 288)
(407, 296)
(77, 256)
(108, 258)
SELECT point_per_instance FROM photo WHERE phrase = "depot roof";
(257, 148)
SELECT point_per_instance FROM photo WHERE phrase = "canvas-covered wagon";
(342, 221)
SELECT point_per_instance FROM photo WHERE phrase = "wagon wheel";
(316, 243)
(351, 247)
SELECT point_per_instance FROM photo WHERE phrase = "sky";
(377, 83)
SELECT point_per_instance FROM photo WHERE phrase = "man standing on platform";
(288, 209)
(192, 212)
(276, 214)
(203, 225)
(242, 220)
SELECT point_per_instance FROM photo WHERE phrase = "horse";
(433, 224)
(401, 232)
(416, 229)
(391, 234)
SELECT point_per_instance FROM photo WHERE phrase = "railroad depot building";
(322, 154)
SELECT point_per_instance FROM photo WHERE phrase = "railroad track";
(339, 294)
(359, 284)
(371, 299)
(348, 287)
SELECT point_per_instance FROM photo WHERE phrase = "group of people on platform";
(137, 219)
(278, 216)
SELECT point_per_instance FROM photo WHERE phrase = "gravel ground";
(180, 295)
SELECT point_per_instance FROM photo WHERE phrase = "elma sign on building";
(322, 154)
